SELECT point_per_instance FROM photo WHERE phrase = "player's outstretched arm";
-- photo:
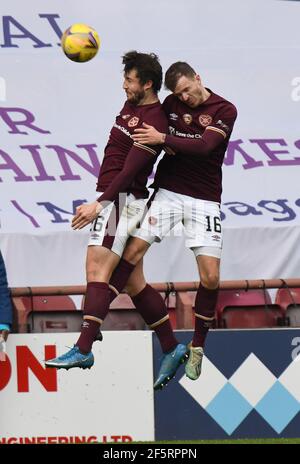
(212, 137)
(137, 158)
(208, 142)
(85, 214)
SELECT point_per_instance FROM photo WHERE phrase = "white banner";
(55, 117)
(111, 402)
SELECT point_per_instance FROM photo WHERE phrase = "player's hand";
(148, 135)
(4, 335)
(85, 214)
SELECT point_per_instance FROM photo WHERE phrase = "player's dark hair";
(147, 67)
(174, 73)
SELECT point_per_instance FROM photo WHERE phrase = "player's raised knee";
(210, 280)
(135, 250)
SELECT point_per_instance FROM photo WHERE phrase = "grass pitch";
(246, 441)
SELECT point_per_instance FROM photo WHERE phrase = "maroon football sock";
(118, 280)
(96, 305)
(119, 277)
(152, 308)
(205, 305)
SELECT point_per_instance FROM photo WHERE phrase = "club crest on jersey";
(126, 116)
(205, 119)
(152, 220)
(133, 121)
(187, 118)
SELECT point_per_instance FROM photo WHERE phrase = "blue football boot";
(169, 365)
(73, 358)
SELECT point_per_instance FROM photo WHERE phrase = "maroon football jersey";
(120, 143)
(199, 137)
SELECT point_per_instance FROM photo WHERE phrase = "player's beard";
(136, 97)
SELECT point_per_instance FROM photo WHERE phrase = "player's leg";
(150, 304)
(205, 305)
(105, 248)
(131, 216)
(107, 273)
(207, 294)
(205, 239)
(128, 261)
(100, 264)
(163, 215)
(136, 282)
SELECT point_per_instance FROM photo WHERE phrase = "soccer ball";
(80, 42)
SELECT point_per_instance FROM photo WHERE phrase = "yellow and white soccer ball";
(80, 42)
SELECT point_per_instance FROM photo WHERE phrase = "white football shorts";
(112, 228)
(200, 219)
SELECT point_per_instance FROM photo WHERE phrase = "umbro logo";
(222, 125)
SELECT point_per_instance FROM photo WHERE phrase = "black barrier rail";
(162, 287)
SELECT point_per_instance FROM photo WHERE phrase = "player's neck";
(149, 99)
(205, 94)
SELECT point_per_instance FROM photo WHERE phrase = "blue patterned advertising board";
(249, 388)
